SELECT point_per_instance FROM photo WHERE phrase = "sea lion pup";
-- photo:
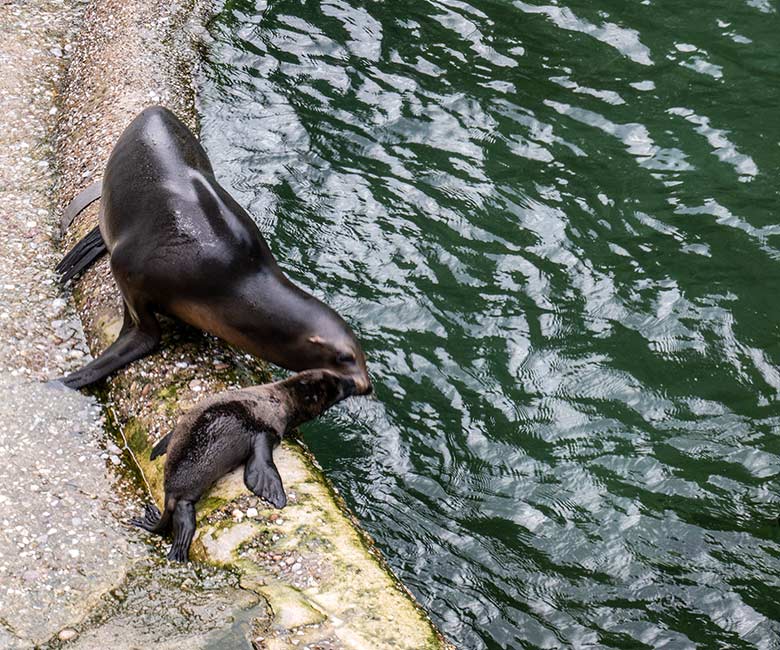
(230, 428)
(179, 244)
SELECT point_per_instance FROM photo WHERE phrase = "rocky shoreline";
(303, 577)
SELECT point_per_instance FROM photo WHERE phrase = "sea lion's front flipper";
(136, 340)
(260, 474)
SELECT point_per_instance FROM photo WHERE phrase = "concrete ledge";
(320, 575)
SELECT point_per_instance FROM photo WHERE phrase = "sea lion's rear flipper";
(260, 474)
(136, 340)
(160, 447)
(82, 255)
(183, 530)
(153, 521)
(84, 198)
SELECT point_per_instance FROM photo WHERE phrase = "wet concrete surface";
(171, 607)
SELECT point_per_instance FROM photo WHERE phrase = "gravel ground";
(71, 572)
(41, 335)
(60, 545)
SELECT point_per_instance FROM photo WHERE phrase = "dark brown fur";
(227, 430)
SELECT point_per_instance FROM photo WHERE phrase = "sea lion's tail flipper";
(84, 198)
(183, 530)
(153, 521)
(161, 447)
(82, 255)
(260, 474)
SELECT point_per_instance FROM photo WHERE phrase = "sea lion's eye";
(346, 357)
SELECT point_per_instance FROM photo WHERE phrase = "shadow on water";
(555, 229)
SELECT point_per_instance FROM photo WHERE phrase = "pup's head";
(313, 392)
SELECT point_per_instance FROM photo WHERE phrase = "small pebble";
(68, 634)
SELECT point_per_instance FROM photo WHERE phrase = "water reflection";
(555, 229)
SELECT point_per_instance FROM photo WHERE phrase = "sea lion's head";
(342, 354)
(299, 332)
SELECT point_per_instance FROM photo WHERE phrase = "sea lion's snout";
(357, 385)
(348, 387)
(363, 385)
(343, 355)
(355, 366)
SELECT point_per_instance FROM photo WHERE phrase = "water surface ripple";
(555, 228)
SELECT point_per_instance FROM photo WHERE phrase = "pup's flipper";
(183, 530)
(160, 447)
(153, 521)
(260, 474)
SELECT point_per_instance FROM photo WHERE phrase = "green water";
(555, 228)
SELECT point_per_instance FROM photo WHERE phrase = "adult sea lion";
(228, 429)
(180, 244)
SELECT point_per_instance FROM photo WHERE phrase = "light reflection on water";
(554, 227)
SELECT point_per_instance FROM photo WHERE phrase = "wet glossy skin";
(180, 244)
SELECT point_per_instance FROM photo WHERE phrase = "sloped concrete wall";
(324, 583)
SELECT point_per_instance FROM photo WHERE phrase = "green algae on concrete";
(314, 568)
(318, 575)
